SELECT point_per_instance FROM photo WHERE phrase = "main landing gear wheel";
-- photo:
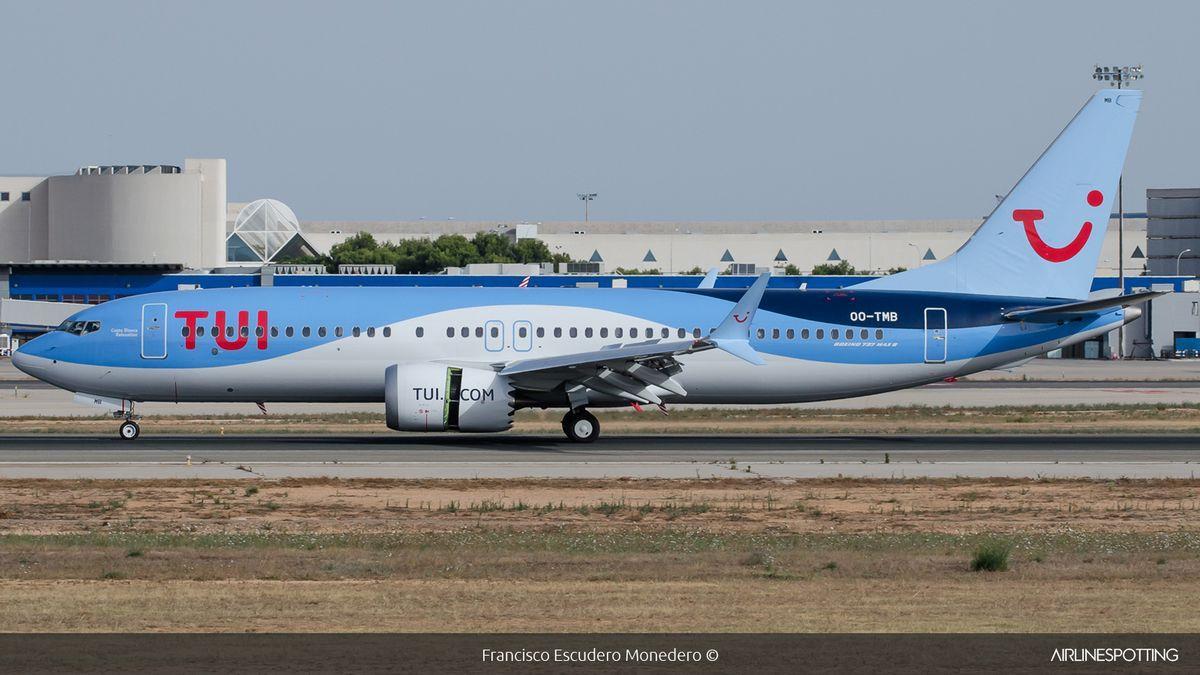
(581, 426)
(130, 430)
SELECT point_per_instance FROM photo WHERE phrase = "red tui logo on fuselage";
(227, 339)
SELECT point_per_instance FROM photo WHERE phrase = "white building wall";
(212, 209)
(23, 225)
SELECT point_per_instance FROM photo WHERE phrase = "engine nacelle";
(437, 397)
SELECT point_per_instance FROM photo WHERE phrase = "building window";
(24, 196)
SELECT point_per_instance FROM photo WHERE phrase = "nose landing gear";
(581, 426)
(130, 430)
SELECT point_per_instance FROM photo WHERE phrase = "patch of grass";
(134, 553)
(251, 491)
(991, 556)
(272, 506)
(831, 565)
(113, 575)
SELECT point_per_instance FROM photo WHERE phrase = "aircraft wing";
(640, 371)
(1073, 310)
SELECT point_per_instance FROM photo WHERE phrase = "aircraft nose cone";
(1132, 313)
(21, 361)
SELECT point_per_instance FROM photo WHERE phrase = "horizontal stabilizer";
(1072, 310)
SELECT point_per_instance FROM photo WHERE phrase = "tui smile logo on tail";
(1056, 254)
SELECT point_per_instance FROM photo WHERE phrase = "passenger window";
(862, 334)
(878, 333)
(228, 331)
(290, 331)
(682, 332)
(200, 331)
(479, 331)
(522, 331)
(338, 332)
(420, 332)
(306, 332)
(495, 332)
(587, 332)
(820, 333)
(258, 332)
(791, 333)
(604, 332)
(558, 332)
(574, 332)
(321, 331)
(761, 333)
(357, 332)
(695, 332)
(774, 333)
(541, 332)
(449, 331)
(387, 331)
(633, 332)
(618, 332)
(371, 331)
(274, 331)
(185, 331)
(245, 330)
(465, 332)
(833, 334)
(666, 333)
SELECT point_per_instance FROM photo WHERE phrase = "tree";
(896, 270)
(426, 256)
(694, 270)
(791, 270)
(842, 268)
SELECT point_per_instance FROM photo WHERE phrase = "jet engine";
(437, 397)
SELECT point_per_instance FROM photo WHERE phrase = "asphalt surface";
(467, 456)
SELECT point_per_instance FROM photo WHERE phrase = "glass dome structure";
(266, 231)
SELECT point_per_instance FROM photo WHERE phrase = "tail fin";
(1044, 238)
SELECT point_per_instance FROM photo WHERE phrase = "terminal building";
(105, 232)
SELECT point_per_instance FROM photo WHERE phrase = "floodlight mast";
(1121, 76)
(586, 197)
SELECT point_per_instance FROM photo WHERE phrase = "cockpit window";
(79, 327)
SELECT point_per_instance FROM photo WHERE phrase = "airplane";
(465, 359)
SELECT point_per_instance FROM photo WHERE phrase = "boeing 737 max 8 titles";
(466, 358)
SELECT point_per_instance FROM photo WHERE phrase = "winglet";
(710, 279)
(733, 335)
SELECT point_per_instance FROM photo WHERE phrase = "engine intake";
(436, 397)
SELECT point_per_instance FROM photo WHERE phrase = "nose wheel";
(581, 426)
(130, 430)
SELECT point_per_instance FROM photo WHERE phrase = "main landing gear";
(581, 426)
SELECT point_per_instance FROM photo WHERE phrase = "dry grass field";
(618, 555)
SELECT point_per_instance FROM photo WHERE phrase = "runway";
(651, 456)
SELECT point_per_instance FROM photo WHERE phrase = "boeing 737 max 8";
(466, 358)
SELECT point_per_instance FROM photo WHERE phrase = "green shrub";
(991, 556)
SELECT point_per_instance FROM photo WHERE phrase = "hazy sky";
(669, 110)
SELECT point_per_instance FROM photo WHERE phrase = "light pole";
(1121, 76)
(586, 197)
(1179, 258)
